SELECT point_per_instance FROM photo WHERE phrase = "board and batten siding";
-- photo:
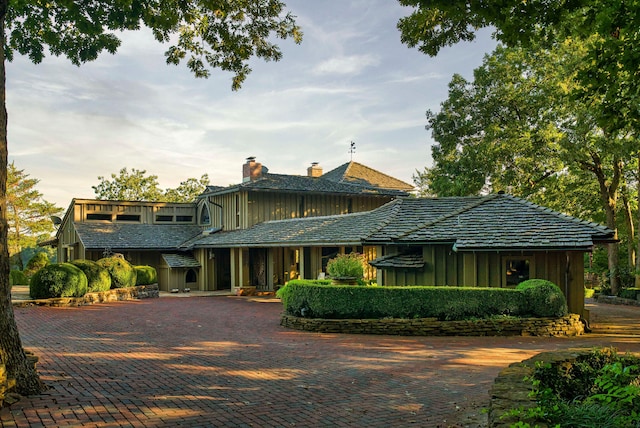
(281, 206)
(445, 267)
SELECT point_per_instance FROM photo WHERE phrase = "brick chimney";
(251, 170)
(314, 170)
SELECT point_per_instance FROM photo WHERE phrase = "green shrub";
(146, 275)
(598, 389)
(97, 276)
(346, 266)
(544, 298)
(35, 263)
(17, 277)
(319, 300)
(58, 280)
(626, 293)
(121, 271)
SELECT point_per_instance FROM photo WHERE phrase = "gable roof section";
(490, 223)
(125, 236)
(361, 175)
(180, 261)
(297, 183)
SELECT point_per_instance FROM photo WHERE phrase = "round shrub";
(121, 271)
(35, 263)
(17, 277)
(146, 275)
(543, 298)
(58, 280)
(97, 277)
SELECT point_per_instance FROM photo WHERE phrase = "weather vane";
(352, 149)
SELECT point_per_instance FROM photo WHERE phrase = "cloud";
(346, 65)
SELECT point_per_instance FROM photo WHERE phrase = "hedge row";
(79, 277)
(311, 299)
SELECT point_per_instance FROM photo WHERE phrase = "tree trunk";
(609, 198)
(629, 222)
(638, 225)
(12, 354)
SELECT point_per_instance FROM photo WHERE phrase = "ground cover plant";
(598, 389)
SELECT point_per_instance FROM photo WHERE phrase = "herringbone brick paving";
(226, 362)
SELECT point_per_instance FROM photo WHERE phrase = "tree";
(28, 214)
(606, 79)
(134, 186)
(188, 190)
(223, 34)
(516, 127)
(137, 186)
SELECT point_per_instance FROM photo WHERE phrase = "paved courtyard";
(226, 362)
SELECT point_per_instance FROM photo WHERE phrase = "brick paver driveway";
(226, 362)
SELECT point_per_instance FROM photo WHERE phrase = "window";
(99, 216)
(205, 216)
(516, 270)
(184, 218)
(164, 218)
(128, 217)
(191, 276)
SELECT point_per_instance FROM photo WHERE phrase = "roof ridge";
(469, 206)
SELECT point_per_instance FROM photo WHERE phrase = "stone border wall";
(116, 294)
(569, 325)
(613, 300)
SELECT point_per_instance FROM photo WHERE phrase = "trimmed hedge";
(627, 293)
(58, 280)
(544, 298)
(35, 263)
(146, 275)
(17, 277)
(312, 299)
(97, 276)
(121, 271)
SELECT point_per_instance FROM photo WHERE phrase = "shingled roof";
(494, 222)
(348, 229)
(361, 175)
(269, 182)
(491, 222)
(125, 236)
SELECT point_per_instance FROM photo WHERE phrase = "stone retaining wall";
(129, 293)
(565, 326)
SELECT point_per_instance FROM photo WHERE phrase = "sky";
(351, 79)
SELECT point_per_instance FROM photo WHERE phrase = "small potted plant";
(346, 268)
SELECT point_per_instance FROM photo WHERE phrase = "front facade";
(162, 235)
(272, 228)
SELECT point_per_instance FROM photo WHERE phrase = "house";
(164, 235)
(271, 228)
(482, 241)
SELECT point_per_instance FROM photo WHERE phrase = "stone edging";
(613, 300)
(116, 294)
(569, 325)
(510, 390)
